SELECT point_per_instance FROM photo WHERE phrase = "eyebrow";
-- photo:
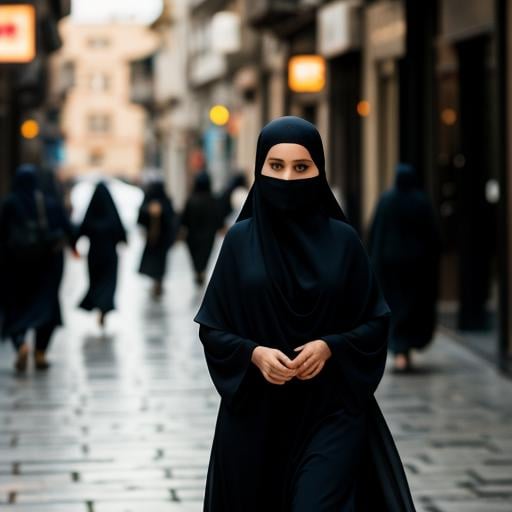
(298, 160)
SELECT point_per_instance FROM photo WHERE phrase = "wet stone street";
(123, 421)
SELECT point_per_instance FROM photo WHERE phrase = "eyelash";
(277, 167)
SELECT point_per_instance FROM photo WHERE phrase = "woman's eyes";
(299, 167)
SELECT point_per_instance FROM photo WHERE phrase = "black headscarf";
(291, 195)
(290, 216)
(102, 215)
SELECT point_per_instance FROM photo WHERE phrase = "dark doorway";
(345, 132)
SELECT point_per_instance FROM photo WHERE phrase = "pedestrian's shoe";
(158, 290)
(22, 359)
(101, 319)
(402, 364)
(40, 360)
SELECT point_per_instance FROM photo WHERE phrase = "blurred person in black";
(104, 229)
(404, 244)
(157, 216)
(202, 219)
(294, 329)
(34, 230)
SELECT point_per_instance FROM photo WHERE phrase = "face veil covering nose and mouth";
(291, 196)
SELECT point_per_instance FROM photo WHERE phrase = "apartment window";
(99, 82)
(99, 123)
(68, 74)
(98, 42)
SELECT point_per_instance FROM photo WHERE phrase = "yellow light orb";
(30, 129)
(219, 115)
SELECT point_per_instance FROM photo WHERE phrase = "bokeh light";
(30, 129)
(219, 115)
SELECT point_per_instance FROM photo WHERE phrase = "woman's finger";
(279, 371)
(282, 371)
(273, 380)
(300, 359)
(307, 365)
(313, 371)
(284, 359)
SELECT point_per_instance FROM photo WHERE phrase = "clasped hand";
(277, 368)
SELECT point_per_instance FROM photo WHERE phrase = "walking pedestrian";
(404, 245)
(202, 219)
(157, 216)
(104, 229)
(294, 329)
(34, 230)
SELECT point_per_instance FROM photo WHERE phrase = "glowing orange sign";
(306, 73)
(17, 33)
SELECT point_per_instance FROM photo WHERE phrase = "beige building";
(103, 129)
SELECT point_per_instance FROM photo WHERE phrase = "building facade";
(102, 124)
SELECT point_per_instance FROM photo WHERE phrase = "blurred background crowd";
(115, 100)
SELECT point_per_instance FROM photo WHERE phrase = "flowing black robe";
(290, 271)
(160, 233)
(29, 294)
(202, 218)
(104, 229)
(266, 434)
(404, 245)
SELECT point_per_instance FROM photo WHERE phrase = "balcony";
(269, 12)
(280, 16)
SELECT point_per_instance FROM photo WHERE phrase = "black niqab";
(291, 270)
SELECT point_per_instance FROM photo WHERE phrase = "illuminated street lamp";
(219, 115)
(30, 129)
(17, 33)
(306, 73)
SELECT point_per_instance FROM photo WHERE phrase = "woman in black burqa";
(104, 229)
(157, 216)
(404, 246)
(34, 230)
(201, 218)
(294, 329)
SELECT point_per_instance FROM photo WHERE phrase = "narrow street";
(123, 421)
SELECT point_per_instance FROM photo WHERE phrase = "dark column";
(504, 164)
(345, 131)
(476, 218)
(417, 87)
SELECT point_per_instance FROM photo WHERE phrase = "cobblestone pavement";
(123, 421)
